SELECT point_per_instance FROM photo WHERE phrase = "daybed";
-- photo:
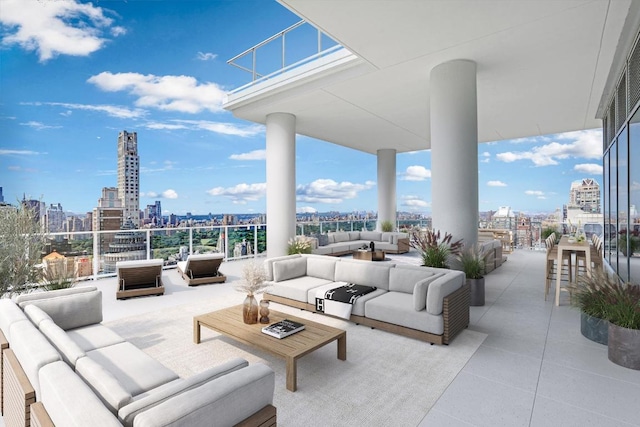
(345, 242)
(202, 269)
(429, 304)
(139, 278)
(64, 368)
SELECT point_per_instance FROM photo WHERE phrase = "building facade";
(129, 175)
(586, 195)
(621, 168)
(108, 215)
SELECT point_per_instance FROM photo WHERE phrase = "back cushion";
(322, 267)
(341, 237)
(404, 279)
(69, 350)
(354, 235)
(289, 269)
(268, 264)
(363, 273)
(387, 237)
(72, 310)
(375, 236)
(9, 314)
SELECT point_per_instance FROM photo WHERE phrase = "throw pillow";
(323, 240)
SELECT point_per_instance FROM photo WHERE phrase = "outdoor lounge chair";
(139, 278)
(202, 269)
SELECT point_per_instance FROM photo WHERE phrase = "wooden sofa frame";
(139, 281)
(455, 311)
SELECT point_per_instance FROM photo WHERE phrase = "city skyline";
(87, 72)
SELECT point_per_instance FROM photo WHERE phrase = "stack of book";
(283, 328)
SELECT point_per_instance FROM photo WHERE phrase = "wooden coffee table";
(369, 255)
(315, 335)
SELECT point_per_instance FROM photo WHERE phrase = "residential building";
(586, 195)
(38, 209)
(129, 175)
(108, 215)
(54, 218)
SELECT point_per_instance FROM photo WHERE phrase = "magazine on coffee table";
(283, 328)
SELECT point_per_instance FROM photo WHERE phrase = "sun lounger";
(139, 278)
(202, 269)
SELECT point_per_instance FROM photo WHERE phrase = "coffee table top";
(229, 322)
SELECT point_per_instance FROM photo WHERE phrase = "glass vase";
(264, 311)
(250, 310)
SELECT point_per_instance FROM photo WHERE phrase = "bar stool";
(551, 268)
(596, 258)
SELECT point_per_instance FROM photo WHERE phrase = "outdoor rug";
(387, 380)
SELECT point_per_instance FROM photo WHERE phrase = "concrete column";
(386, 186)
(454, 150)
(281, 182)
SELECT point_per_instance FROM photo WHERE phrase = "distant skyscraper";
(107, 215)
(55, 218)
(129, 175)
(586, 195)
(1, 196)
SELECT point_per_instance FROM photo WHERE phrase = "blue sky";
(74, 74)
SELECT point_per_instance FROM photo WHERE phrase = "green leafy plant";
(435, 252)
(602, 295)
(299, 245)
(21, 246)
(386, 226)
(58, 278)
(472, 262)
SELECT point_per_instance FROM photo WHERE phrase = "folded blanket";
(339, 300)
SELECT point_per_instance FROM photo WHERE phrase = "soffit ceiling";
(541, 68)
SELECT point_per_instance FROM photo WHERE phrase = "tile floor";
(534, 368)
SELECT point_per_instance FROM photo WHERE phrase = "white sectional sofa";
(425, 303)
(345, 242)
(65, 368)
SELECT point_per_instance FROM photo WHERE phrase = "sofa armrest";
(155, 397)
(442, 287)
(228, 400)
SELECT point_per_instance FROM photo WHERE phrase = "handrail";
(280, 35)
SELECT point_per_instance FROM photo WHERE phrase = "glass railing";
(290, 48)
(95, 254)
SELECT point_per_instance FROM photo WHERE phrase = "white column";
(281, 182)
(454, 150)
(386, 186)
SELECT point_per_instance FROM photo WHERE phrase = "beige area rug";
(387, 380)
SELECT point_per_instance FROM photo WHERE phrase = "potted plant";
(435, 252)
(21, 243)
(386, 226)
(471, 261)
(623, 311)
(299, 245)
(591, 295)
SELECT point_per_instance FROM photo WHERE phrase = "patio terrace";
(533, 369)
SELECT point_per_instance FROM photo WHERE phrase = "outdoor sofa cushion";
(397, 308)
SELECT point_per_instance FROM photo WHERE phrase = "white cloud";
(534, 193)
(241, 193)
(18, 153)
(588, 168)
(53, 28)
(486, 157)
(496, 184)
(202, 56)
(252, 155)
(217, 127)
(306, 209)
(167, 93)
(330, 191)
(416, 173)
(169, 194)
(414, 202)
(111, 110)
(583, 144)
(150, 194)
(39, 126)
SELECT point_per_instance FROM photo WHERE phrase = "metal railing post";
(148, 244)
(96, 254)
(190, 240)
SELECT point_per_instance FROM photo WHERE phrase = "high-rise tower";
(129, 175)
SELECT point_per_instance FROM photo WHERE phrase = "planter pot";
(477, 291)
(594, 328)
(624, 346)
